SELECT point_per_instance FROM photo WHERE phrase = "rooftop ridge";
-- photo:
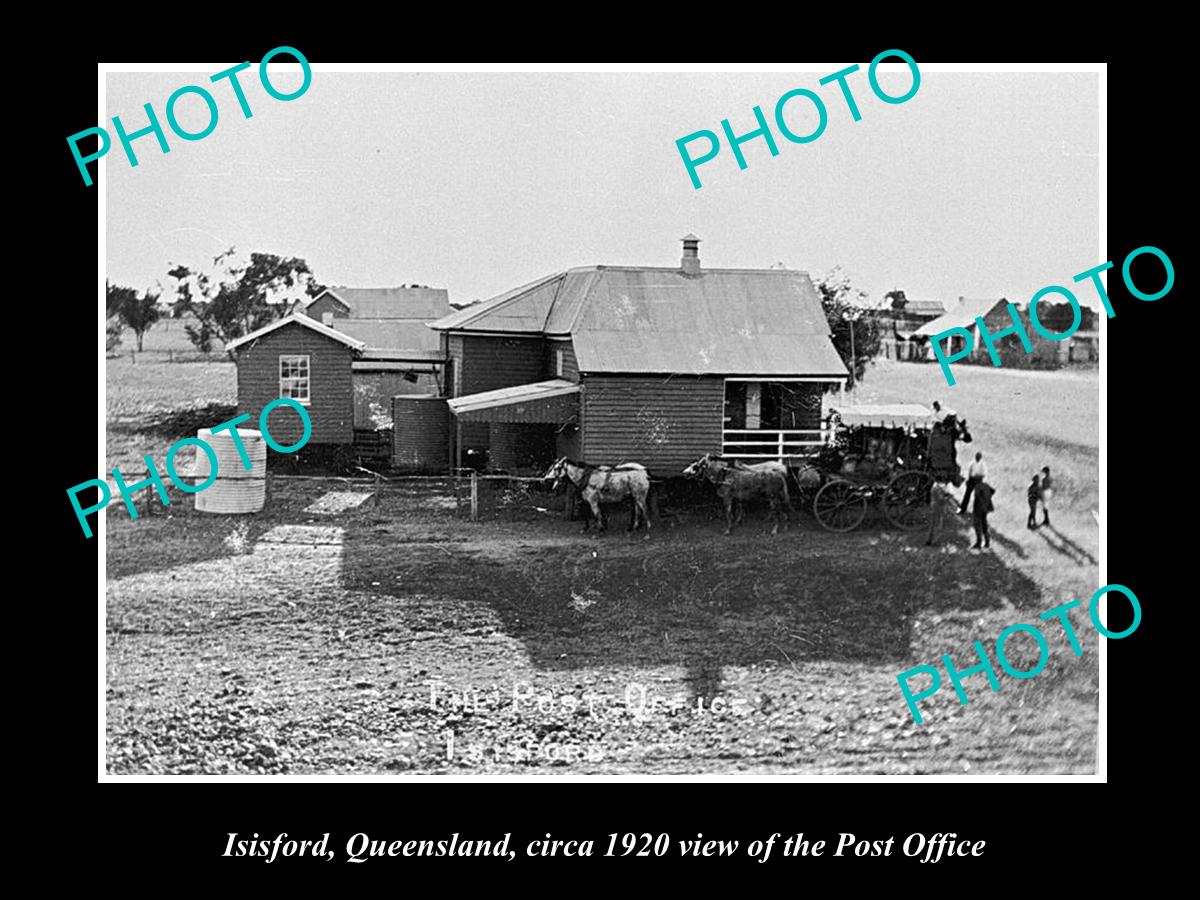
(678, 271)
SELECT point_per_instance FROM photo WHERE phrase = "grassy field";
(164, 335)
(397, 636)
(152, 403)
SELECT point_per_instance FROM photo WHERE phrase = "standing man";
(976, 473)
(940, 414)
(983, 506)
(1034, 493)
(1047, 494)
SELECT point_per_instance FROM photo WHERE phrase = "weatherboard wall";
(485, 363)
(663, 422)
(570, 366)
(331, 407)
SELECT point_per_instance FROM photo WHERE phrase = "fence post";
(780, 436)
(474, 496)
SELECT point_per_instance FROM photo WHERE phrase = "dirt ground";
(396, 635)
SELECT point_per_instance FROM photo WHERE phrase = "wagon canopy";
(890, 415)
(549, 402)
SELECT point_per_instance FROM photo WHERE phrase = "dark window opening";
(735, 405)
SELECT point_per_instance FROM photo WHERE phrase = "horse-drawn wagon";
(888, 455)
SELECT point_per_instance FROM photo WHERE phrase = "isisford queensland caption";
(359, 847)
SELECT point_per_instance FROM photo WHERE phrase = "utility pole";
(850, 319)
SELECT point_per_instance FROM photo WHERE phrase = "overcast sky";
(980, 185)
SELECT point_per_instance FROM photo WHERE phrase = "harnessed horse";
(606, 484)
(737, 482)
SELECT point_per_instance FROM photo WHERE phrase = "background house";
(411, 302)
(345, 354)
(899, 318)
(1083, 346)
(656, 365)
(963, 315)
(402, 355)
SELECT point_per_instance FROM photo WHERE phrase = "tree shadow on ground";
(176, 423)
(693, 598)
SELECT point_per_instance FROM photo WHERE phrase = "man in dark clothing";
(981, 507)
(1035, 495)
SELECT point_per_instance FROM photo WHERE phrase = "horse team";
(735, 482)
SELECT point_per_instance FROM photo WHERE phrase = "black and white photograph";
(494, 422)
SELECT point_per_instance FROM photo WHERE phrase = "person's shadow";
(1067, 547)
(1009, 544)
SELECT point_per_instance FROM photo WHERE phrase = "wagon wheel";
(906, 500)
(840, 506)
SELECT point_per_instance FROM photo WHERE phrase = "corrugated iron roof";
(690, 353)
(423, 303)
(522, 309)
(403, 356)
(644, 319)
(522, 393)
(391, 334)
(924, 306)
(303, 321)
(962, 316)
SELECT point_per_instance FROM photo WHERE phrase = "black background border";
(160, 829)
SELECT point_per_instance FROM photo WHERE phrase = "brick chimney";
(690, 264)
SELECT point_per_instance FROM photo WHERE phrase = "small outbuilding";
(345, 355)
(311, 363)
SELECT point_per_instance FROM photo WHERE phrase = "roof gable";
(961, 316)
(304, 322)
(326, 294)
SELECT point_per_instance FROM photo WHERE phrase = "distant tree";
(116, 296)
(112, 335)
(855, 329)
(235, 299)
(896, 299)
(201, 335)
(134, 311)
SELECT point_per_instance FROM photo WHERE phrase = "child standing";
(1047, 493)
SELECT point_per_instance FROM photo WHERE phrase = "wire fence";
(474, 493)
(156, 357)
(486, 495)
